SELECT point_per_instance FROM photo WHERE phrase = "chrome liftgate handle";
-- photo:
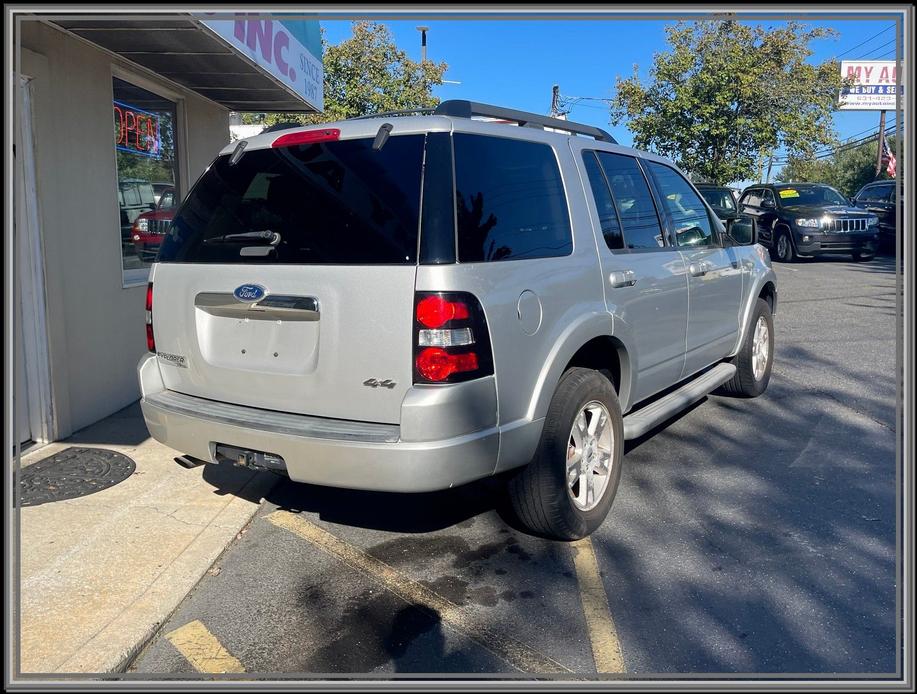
(271, 307)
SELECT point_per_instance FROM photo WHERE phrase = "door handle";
(698, 269)
(623, 278)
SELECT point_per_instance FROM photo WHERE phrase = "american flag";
(888, 159)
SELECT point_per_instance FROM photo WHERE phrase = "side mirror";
(743, 230)
(768, 204)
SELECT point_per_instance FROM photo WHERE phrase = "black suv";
(809, 219)
(879, 198)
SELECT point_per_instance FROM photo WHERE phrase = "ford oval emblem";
(249, 293)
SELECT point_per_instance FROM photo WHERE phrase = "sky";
(515, 62)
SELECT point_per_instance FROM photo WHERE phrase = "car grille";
(845, 224)
(160, 226)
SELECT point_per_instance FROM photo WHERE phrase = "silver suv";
(410, 302)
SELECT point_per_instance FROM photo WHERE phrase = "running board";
(637, 423)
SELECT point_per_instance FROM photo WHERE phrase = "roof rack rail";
(458, 108)
(403, 112)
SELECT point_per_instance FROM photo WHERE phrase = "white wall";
(96, 327)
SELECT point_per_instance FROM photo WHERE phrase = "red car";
(149, 227)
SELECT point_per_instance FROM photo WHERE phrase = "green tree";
(367, 74)
(848, 169)
(727, 94)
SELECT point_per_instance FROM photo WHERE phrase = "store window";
(148, 191)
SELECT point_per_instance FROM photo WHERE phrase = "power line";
(890, 130)
(851, 141)
(574, 105)
(873, 51)
(850, 50)
(847, 145)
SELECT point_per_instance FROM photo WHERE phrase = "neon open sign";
(136, 130)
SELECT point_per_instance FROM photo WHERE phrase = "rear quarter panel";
(568, 296)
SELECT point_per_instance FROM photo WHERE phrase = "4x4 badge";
(373, 383)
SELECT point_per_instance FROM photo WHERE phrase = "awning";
(249, 64)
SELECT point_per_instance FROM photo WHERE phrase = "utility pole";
(423, 43)
(555, 94)
(770, 164)
(881, 143)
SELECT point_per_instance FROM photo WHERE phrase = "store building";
(115, 120)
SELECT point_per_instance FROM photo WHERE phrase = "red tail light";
(451, 339)
(435, 311)
(150, 341)
(306, 137)
(436, 364)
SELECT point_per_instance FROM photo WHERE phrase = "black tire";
(538, 492)
(860, 257)
(783, 246)
(744, 384)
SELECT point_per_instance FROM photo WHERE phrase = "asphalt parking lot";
(748, 536)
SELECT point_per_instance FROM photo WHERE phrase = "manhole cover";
(71, 473)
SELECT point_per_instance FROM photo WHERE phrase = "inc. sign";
(875, 85)
(288, 49)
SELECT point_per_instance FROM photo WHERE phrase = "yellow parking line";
(519, 655)
(606, 649)
(203, 650)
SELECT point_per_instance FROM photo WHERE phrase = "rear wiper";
(271, 238)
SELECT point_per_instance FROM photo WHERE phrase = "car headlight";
(872, 221)
(142, 224)
(814, 223)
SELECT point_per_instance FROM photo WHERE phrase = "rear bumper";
(316, 450)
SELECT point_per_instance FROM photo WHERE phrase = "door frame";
(28, 271)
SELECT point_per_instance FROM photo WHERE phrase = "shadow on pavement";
(402, 513)
(748, 536)
(763, 541)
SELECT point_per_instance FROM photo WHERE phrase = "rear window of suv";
(510, 202)
(337, 202)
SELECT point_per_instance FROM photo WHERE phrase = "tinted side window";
(689, 217)
(608, 215)
(510, 201)
(634, 201)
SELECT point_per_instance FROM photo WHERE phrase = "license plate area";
(245, 457)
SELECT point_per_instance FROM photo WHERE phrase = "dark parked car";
(720, 199)
(880, 199)
(809, 219)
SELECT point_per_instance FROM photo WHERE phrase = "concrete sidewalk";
(100, 573)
